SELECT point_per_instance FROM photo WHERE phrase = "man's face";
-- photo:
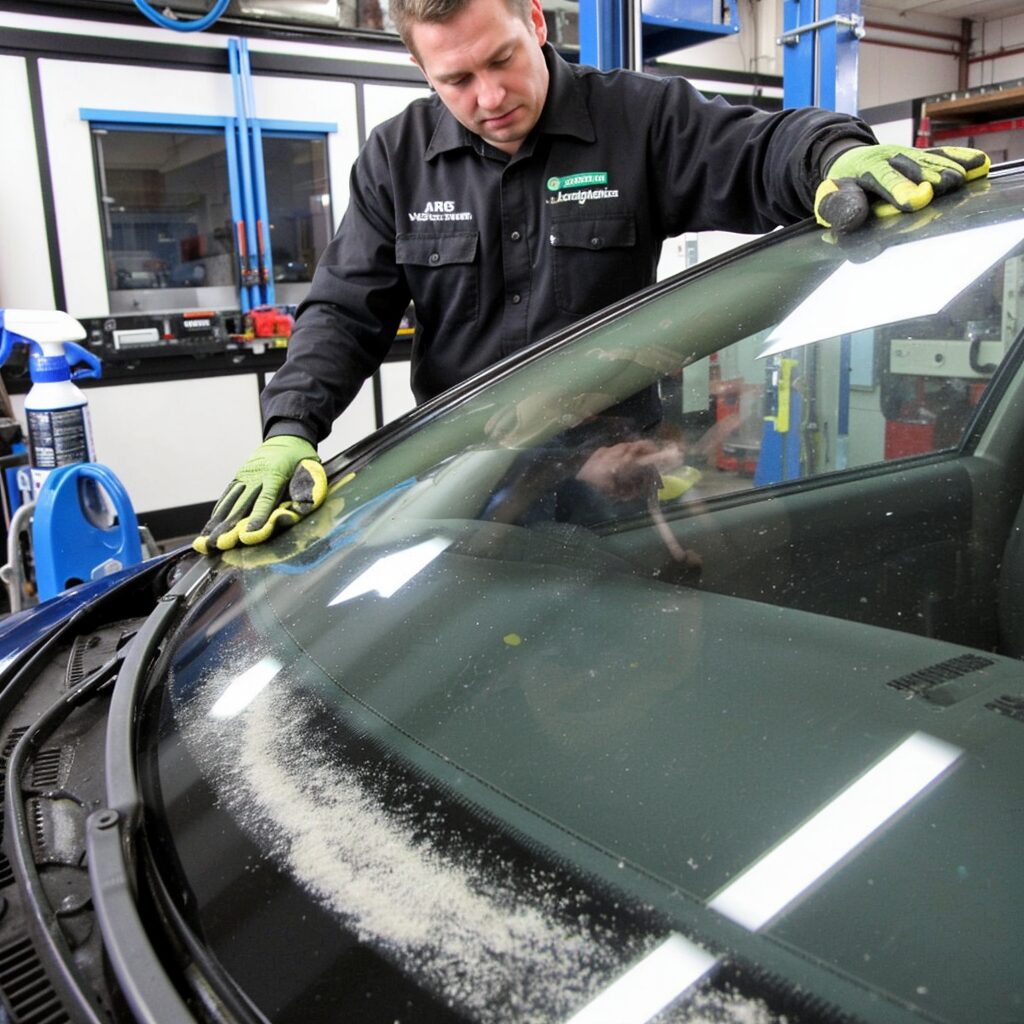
(487, 67)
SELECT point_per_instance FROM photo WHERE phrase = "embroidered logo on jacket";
(579, 194)
(439, 209)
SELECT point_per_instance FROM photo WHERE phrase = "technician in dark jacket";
(524, 193)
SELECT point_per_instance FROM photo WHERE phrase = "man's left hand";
(891, 179)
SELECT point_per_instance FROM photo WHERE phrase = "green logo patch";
(577, 180)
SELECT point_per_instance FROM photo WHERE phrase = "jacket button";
(515, 236)
(595, 243)
(435, 257)
(516, 299)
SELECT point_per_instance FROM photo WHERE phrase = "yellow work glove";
(282, 481)
(888, 180)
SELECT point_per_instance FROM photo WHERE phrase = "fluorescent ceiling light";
(244, 689)
(905, 281)
(649, 985)
(391, 572)
(770, 884)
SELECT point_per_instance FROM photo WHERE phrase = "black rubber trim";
(144, 985)
(35, 93)
(47, 936)
(112, 832)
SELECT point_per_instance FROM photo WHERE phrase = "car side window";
(909, 388)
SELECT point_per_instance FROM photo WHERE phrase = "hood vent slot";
(46, 769)
(1009, 705)
(943, 683)
(27, 993)
(10, 744)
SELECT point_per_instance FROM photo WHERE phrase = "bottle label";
(57, 437)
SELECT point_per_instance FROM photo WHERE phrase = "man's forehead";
(477, 33)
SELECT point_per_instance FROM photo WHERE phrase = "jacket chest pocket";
(594, 260)
(443, 276)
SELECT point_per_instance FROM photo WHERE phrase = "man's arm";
(736, 168)
(347, 323)
(342, 333)
(732, 167)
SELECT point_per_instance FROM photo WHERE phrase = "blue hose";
(196, 25)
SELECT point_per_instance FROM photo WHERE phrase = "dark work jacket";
(497, 252)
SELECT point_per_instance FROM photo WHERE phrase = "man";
(523, 194)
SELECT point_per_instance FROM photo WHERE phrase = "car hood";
(848, 793)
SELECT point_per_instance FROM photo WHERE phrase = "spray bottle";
(59, 431)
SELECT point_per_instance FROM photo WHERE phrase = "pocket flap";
(612, 231)
(436, 250)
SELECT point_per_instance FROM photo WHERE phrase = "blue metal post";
(838, 48)
(820, 65)
(602, 33)
(250, 278)
(237, 217)
(264, 258)
(798, 56)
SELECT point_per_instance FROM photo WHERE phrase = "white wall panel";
(396, 391)
(25, 280)
(888, 75)
(383, 101)
(355, 423)
(898, 133)
(991, 37)
(175, 442)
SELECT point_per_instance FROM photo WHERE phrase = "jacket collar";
(565, 112)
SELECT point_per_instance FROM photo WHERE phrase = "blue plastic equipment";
(71, 545)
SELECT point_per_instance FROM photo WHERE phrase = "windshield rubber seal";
(111, 831)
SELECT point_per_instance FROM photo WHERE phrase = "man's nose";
(492, 92)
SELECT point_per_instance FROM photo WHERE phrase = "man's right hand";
(282, 481)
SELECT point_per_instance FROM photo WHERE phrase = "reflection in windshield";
(943, 266)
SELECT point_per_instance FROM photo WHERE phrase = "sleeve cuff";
(291, 428)
(833, 151)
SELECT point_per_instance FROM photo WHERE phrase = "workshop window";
(299, 205)
(169, 215)
(165, 203)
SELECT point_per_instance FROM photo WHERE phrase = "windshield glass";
(586, 671)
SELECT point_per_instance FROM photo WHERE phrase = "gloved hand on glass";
(887, 180)
(280, 483)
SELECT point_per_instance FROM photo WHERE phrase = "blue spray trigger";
(78, 355)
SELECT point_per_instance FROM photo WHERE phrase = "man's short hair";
(407, 13)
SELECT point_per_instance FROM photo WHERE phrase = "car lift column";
(820, 48)
(625, 33)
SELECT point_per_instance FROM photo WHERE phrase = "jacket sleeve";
(347, 323)
(721, 166)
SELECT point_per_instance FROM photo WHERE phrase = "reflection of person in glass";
(506, 205)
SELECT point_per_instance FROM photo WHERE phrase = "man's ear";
(538, 21)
